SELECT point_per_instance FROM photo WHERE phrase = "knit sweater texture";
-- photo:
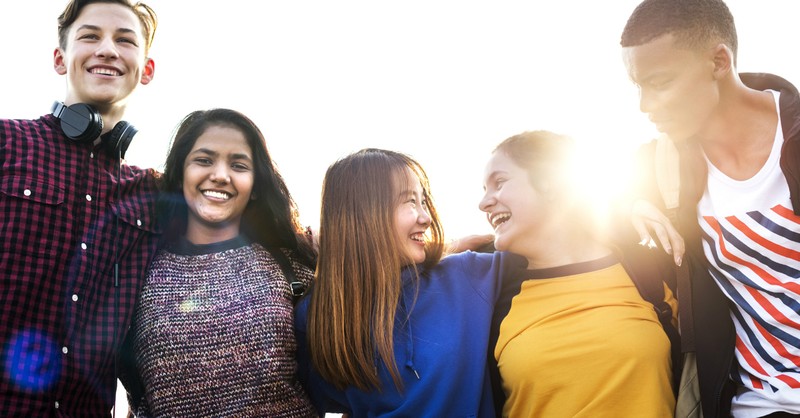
(214, 334)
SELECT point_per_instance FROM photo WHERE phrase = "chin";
(500, 244)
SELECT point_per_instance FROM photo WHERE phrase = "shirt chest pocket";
(31, 191)
(137, 212)
(31, 211)
(33, 214)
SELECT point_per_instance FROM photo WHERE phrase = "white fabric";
(752, 241)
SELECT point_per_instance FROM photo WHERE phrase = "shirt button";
(57, 405)
(74, 298)
(91, 155)
(64, 350)
(27, 192)
(89, 197)
(84, 246)
(138, 222)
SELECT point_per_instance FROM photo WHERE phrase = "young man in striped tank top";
(738, 139)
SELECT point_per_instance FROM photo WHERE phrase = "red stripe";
(777, 345)
(792, 383)
(790, 286)
(786, 213)
(762, 241)
(751, 360)
(771, 309)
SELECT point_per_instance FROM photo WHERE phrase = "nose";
(487, 202)
(646, 101)
(424, 218)
(220, 174)
(107, 48)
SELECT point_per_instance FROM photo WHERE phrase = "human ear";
(58, 62)
(723, 60)
(148, 71)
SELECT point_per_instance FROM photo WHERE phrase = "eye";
(88, 36)
(659, 84)
(240, 167)
(204, 161)
(498, 183)
(128, 40)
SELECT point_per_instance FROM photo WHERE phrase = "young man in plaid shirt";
(77, 230)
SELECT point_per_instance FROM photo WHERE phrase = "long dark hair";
(272, 219)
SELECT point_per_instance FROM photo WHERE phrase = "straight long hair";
(358, 282)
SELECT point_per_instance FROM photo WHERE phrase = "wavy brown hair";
(358, 284)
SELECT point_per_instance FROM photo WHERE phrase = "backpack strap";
(667, 164)
(649, 272)
(296, 287)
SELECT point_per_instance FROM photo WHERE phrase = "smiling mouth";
(105, 71)
(216, 195)
(499, 219)
(418, 237)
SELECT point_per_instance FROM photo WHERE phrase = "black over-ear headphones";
(82, 123)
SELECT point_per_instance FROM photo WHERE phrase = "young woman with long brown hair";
(389, 326)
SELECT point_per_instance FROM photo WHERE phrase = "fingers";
(647, 219)
(678, 246)
(644, 235)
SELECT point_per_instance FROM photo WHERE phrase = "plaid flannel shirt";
(68, 213)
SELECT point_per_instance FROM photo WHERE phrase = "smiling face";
(411, 217)
(217, 184)
(678, 86)
(104, 58)
(514, 207)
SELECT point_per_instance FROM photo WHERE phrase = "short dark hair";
(73, 9)
(692, 22)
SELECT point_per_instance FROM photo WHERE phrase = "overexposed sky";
(443, 81)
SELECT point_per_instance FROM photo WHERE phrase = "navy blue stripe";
(786, 300)
(773, 227)
(761, 257)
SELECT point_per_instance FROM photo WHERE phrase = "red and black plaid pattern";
(68, 213)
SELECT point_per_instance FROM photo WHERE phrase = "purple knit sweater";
(214, 334)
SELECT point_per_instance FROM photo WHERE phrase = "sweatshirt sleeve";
(324, 396)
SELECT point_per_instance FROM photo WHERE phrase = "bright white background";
(444, 81)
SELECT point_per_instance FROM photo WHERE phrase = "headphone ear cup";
(119, 139)
(81, 122)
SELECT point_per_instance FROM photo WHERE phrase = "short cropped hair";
(694, 23)
(147, 16)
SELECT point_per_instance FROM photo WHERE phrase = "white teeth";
(104, 71)
(216, 195)
(499, 218)
(418, 237)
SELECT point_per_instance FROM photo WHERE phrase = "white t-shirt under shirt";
(751, 238)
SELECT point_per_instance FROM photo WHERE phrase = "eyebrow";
(406, 193)
(97, 28)
(496, 173)
(235, 156)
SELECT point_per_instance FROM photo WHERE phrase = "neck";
(739, 140)
(201, 236)
(563, 246)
